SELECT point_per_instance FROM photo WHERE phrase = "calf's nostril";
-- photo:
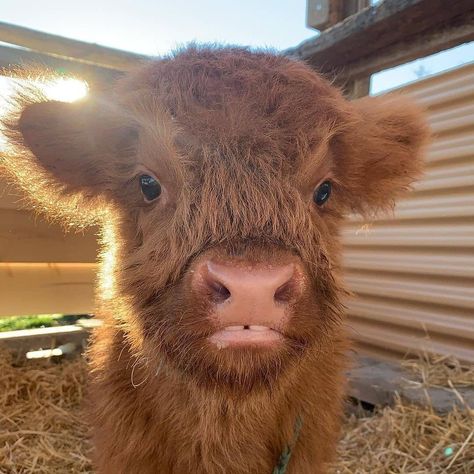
(219, 293)
(285, 292)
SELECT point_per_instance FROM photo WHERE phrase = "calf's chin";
(220, 178)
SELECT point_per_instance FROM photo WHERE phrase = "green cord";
(285, 456)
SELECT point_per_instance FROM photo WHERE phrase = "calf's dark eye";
(322, 193)
(150, 186)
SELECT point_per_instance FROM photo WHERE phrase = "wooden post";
(322, 14)
(360, 87)
(351, 7)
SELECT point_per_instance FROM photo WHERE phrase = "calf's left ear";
(382, 154)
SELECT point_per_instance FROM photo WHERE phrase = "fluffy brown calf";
(220, 178)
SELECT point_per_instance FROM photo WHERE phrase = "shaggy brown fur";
(239, 141)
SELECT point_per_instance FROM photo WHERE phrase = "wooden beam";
(25, 340)
(388, 34)
(65, 47)
(12, 59)
(448, 36)
(26, 237)
(20, 342)
(36, 288)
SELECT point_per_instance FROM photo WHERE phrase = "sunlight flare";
(65, 89)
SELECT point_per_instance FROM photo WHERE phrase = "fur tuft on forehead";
(234, 96)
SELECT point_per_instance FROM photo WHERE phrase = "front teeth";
(250, 328)
(258, 328)
(234, 328)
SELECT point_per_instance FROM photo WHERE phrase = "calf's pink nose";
(248, 295)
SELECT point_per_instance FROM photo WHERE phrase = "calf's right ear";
(64, 153)
(63, 138)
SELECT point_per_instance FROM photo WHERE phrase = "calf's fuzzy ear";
(65, 156)
(380, 152)
(63, 139)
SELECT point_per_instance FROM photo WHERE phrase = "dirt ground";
(42, 429)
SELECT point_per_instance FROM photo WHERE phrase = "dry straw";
(42, 429)
(433, 370)
(408, 439)
(41, 425)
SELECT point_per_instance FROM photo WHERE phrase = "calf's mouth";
(239, 336)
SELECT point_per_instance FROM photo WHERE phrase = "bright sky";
(157, 26)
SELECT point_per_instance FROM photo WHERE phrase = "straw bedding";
(41, 424)
(42, 429)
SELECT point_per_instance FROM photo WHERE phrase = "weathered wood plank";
(421, 45)
(65, 47)
(378, 382)
(25, 237)
(20, 342)
(387, 34)
(14, 60)
(28, 237)
(35, 288)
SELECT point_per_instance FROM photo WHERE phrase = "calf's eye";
(322, 193)
(151, 188)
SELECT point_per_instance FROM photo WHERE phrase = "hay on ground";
(42, 428)
(408, 439)
(433, 370)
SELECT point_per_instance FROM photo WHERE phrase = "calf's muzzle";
(250, 302)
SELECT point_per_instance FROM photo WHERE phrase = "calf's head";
(222, 177)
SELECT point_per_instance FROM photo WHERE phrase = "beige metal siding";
(413, 274)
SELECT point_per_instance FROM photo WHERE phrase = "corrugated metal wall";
(414, 274)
